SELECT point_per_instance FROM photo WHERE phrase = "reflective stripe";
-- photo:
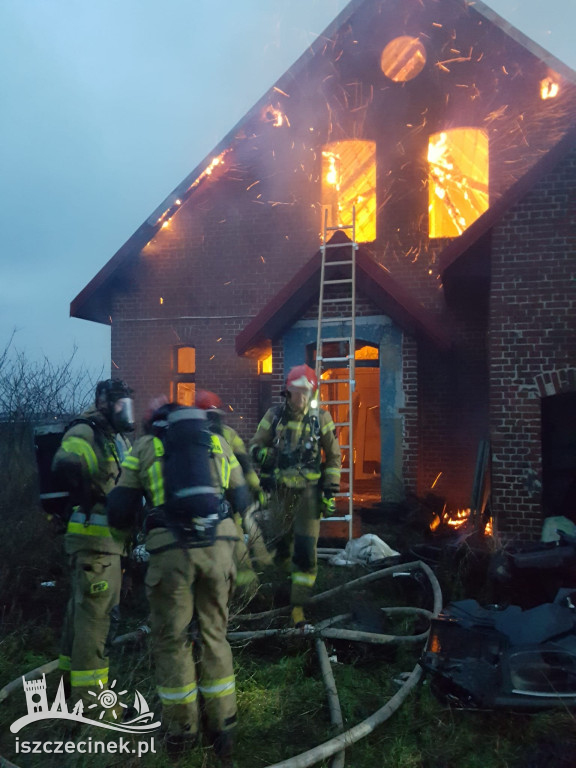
(216, 444)
(131, 462)
(64, 663)
(233, 461)
(312, 475)
(156, 480)
(88, 530)
(185, 694)
(296, 426)
(328, 427)
(80, 517)
(219, 688)
(305, 579)
(80, 447)
(264, 424)
(332, 471)
(86, 677)
(195, 490)
(158, 446)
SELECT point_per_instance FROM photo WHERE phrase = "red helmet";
(208, 401)
(302, 376)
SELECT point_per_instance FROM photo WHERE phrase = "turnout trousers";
(182, 583)
(295, 524)
(91, 614)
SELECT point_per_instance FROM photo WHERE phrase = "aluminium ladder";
(335, 311)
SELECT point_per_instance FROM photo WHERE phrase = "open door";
(365, 420)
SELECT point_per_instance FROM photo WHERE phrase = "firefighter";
(188, 576)
(88, 463)
(288, 446)
(246, 577)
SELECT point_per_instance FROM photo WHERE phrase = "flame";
(549, 88)
(332, 175)
(457, 519)
(274, 115)
(489, 528)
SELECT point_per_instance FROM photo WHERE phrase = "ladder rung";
(338, 282)
(343, 518)
(337, 301)
(329, 339)
(340, 226)
(339, 245)
(335, 402)
(334, 320)
(341, 423)
(344, 469)
(335, 381)
(333, 359)
(344, 446)
(342, 495)
(337, 263)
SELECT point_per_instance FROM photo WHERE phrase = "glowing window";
(185, 392)
(403, 58)
(366, 353)
(349, 179)
(186, 360)
(265, 364)
(457, 180)
(183, 387)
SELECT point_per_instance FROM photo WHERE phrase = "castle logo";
(107, 710)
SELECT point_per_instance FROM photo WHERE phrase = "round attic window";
(403, 58)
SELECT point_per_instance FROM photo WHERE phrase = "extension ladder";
(337, 329)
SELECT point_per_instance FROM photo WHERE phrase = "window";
(265, 364)
(183, 384)
(457, 180)
(349, 179)
(403, 59)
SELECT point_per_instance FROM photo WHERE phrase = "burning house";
(453, 138)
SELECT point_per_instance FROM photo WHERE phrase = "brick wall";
(532, 341)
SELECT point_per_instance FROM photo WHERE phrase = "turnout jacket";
(89, 462)
(142, 475)
(295, 443)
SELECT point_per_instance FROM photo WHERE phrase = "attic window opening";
(183, 385)
(457, 180)
(349, 179)
(403, 59)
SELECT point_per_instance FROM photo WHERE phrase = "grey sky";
(108, 104)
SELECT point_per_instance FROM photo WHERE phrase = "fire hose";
(339, 743)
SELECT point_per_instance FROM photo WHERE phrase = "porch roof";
(372, 280)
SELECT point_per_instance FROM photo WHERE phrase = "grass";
(282, 703)
(281, 697)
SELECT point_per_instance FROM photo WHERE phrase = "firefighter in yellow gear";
(88, 463)
(186, 579)
(256, 552)
(300, 461)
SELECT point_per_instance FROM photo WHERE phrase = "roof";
(93, 301)
(372, 280)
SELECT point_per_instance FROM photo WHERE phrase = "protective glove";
(258, 454)
(328, 503)
(262, 498)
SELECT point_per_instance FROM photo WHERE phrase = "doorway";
(366, 450)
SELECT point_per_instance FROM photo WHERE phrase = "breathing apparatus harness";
(305, 455)
(107, 444)
(193, 507)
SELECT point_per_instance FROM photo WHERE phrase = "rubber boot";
(224, 748)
